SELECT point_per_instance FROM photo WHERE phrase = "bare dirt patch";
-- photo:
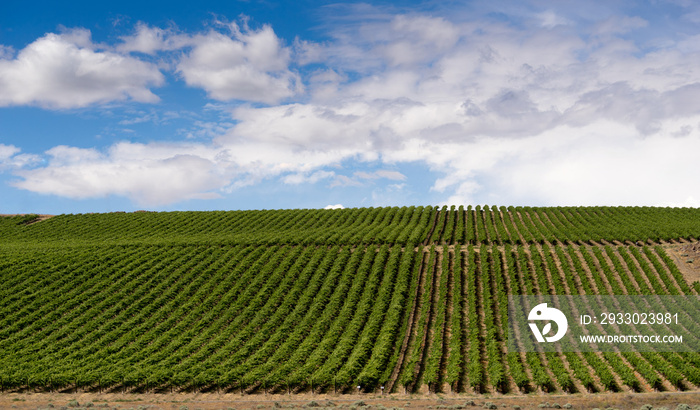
(687, 258)
(192, 401)
(39, 218)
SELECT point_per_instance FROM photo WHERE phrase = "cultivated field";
(400, 300)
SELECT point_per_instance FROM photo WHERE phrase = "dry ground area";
(41, 217)
(687, 258)
(235, 401)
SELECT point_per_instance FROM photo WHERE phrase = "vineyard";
(402, 299)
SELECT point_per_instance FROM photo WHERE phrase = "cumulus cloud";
(591, 168)
(233, 62)
(149, 174)
(67, 71)
(250, 65)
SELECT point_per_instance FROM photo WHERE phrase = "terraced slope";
(406, 298)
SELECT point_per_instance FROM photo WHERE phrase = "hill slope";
(405, 298)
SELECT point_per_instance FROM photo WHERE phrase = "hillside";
(408, 299)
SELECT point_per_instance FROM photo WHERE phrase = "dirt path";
(622, 401)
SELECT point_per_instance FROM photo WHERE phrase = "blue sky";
(266, 104)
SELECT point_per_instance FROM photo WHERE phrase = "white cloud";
(336, 206)
(249, 65)
(237, 63)
(399, 41)
(66, 71)
(149, 40)
(10, 158)
(7, 151)
(152, 174)
(591, 168)
(416, 39)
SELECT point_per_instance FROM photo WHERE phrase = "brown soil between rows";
(622, 401)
